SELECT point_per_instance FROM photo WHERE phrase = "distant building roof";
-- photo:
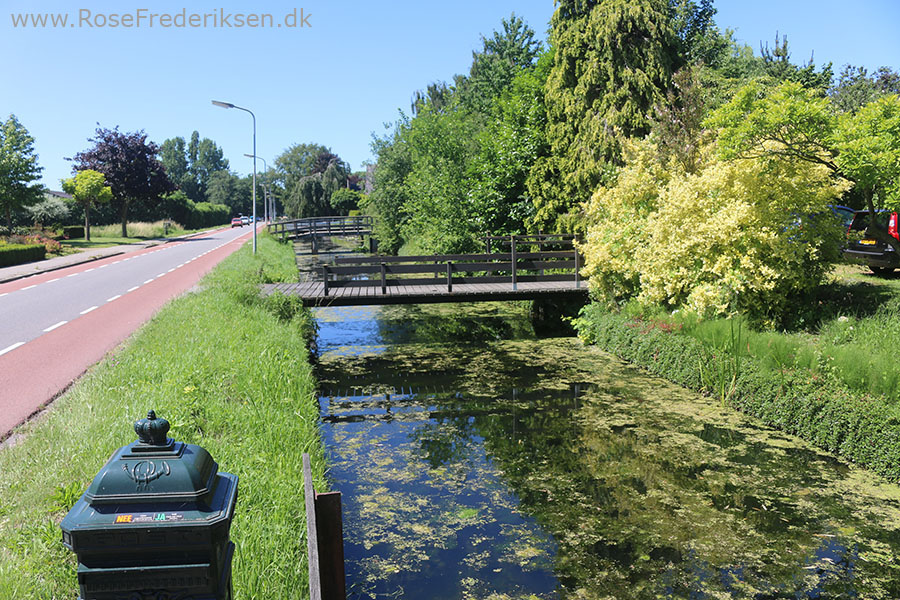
(56, 194)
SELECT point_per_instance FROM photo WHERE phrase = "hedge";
(18, 254)
(862, 428)
(205, 214)
(73, 232)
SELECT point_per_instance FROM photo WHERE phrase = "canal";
(478, 459)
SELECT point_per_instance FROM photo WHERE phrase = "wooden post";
(325, 278)
(312, 538)
(383, 278)
(331, 545)
(315, 249)
(577, 276)
(487, 241)
(512, 244)
(449, 277)
(324, 540)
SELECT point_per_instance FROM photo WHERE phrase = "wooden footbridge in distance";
(313, 228)
(526, 267)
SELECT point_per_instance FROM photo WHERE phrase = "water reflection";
(504, 466)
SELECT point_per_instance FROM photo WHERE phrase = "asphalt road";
(54, 326)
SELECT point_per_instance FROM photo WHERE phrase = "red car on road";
(237, 222)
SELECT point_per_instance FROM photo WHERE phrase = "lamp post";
(266, 212)
(230, 105)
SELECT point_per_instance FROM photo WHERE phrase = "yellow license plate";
(867, 242)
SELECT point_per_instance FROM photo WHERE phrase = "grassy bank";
(231, 373)
(834, 384)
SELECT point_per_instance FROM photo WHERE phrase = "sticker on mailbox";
(163, 517)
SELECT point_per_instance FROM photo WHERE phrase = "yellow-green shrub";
(736, 236)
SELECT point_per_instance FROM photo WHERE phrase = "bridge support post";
(383, 278)
(449, 276)
(325, 279)
(512, 248)
(315, 246)
(577, 268)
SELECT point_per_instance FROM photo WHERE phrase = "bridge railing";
(315, 226)
(513, 267)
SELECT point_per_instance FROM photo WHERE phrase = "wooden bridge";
(314, 227)
(539, 266)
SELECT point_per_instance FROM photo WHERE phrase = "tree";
(501, 58)
(677, 126)
(88, 188)
(868, 153)
(777, 65)
(613, 60)
(235, 192)
(509, 145)
(855, 87)
(130, 166)
(19, 169)
(190, 166)
(789, 120)
(345, 200)
(49, 210)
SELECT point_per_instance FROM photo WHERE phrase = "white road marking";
(4, 294)
(72, 275)
(114, 298)
(160, 275)
(29, 287)
(170, 270)
(11, 348)
(52, 327)
(89, 270)
(132, 289)
(87, 310)
(148, 281)
(102, 266)
(52, 280)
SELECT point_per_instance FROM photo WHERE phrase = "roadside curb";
(86, 259)
(75, 263)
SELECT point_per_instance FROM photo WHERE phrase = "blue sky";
(336, 82)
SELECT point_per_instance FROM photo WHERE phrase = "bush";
(50, 245)
(731, 238)
(205, 215)
(18, 254)
(861, 427)
(73, 232)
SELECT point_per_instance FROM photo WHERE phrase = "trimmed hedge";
(204, 214)
(73, 232)
(863, 428)
(18, 254)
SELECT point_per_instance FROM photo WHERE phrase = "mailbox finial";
(152, 430)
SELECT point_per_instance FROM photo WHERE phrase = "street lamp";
(230, 105)
(266, 212)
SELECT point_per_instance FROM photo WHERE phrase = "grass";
(104, 236)
(851, 333)
(230, 371)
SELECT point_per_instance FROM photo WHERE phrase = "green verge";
(863, 428)
(231, 372)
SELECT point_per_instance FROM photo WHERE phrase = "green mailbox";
(154, 523)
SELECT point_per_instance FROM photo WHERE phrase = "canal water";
(477, 459)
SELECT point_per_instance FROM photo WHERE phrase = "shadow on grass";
(854, 293)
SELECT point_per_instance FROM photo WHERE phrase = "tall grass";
(858, 351)
(156, 229)
(229, 374)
